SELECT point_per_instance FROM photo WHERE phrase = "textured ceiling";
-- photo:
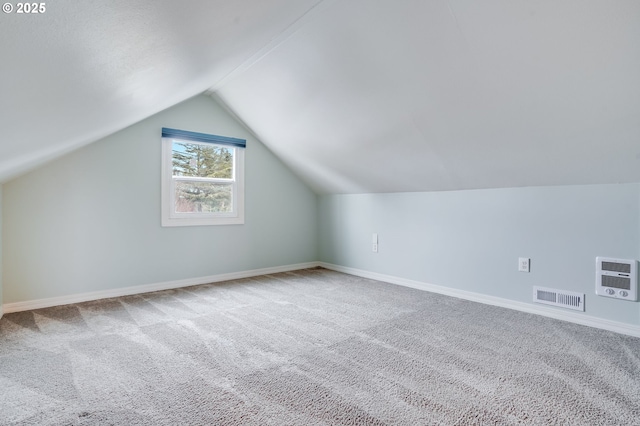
(85, 69)
(436, 95)
(354, 95)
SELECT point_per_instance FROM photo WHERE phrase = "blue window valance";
(202, 137)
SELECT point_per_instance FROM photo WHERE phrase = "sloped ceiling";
(415, 95)
(354, 95)
(85, 69)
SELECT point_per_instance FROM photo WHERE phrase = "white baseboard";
(582, 319)
(167, 285)
(618, 327)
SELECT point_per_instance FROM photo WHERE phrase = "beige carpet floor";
(311, 347)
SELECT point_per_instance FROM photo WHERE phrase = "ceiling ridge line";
(276, 41)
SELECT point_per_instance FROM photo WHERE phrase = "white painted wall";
(471, 240)
(90, 221)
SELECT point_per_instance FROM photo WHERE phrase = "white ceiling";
(354, 95)
(85, 69)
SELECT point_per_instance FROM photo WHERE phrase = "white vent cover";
(617, 278)
(561, 298)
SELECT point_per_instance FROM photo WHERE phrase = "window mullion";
(203, 179)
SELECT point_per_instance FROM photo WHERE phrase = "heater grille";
(616, 282)
(561, 298)
(616, 267)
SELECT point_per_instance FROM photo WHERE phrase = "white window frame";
(172, 218)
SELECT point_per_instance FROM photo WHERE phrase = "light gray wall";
(90, 221)
(471, 240)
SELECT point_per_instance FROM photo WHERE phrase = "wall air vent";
(561, 298)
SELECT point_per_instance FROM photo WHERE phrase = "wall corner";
(1, 289)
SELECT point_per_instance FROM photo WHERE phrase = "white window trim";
(170, 218)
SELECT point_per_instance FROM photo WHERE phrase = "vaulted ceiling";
(354, 95)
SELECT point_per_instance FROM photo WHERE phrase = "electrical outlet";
(524, 264)
(374, 242)
(375, 247)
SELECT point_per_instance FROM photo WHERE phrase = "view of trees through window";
(203, 175)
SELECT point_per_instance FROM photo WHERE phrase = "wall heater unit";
(617, 278)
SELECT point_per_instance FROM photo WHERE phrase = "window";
(202, 179)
